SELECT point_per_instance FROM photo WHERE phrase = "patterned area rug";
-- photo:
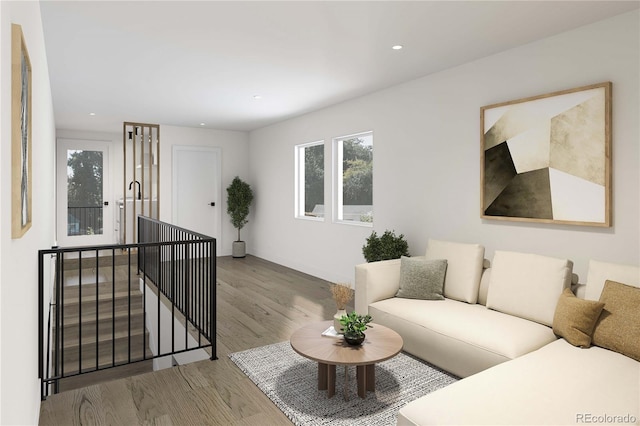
(290, 381)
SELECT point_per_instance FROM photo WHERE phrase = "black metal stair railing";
(178, 269)
(98, 320)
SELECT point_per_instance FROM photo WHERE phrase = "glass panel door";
(84, 192)
(83, 208)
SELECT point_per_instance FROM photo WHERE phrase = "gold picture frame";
(547, 158)
(21, 170)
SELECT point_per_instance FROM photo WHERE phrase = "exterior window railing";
(84, 220)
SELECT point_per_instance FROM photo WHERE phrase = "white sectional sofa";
(494, 329)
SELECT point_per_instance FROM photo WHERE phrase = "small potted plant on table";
(354, 326)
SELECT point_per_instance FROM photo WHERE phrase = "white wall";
(19, 384)
(235, 154)
(163, 334)
(426, 158)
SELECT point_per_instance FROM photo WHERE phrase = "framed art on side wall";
(21, 182)
(547, 158)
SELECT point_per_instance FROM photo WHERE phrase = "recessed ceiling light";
(397, 47)
(92, 113)
(202, 124)
(257, 97)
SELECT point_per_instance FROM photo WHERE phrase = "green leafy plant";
(239, 198)
(385, 247)
(354, 325)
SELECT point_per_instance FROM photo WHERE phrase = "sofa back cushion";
(528, 285)
(464, 268)
(600, 272)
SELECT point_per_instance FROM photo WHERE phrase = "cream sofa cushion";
(528, 285)
(464, 268)
(551, 386)
(458, 337)
(600, 272)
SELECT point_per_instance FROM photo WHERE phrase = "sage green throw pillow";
(421, 278)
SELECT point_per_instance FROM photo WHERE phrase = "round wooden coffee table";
(380, 344)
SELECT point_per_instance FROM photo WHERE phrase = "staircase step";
(105, 259)
(106, 304)
(105, 353)
(89, 342)
(121, 334)
(71, 292)
(104, 319)
(120, 323)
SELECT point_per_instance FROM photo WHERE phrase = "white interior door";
(84, 213)
(196, 189)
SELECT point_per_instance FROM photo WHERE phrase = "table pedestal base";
(365, 376)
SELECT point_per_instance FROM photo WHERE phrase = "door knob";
(213, 204)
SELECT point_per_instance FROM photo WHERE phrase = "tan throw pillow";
(575, 318)
(421, 279)
(618, 328)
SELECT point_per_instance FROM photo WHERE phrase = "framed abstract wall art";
(547, 158)
(21, 182)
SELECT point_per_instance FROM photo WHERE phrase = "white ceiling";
(185, 63)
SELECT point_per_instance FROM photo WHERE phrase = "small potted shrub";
(387, 246)
(354, 326)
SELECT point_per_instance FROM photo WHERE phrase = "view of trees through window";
(353, 171)
(84, 192)
(314, 178)
(357, 178)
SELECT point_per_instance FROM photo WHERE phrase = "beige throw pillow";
(575, 318)
(421, 278)
(618, 328)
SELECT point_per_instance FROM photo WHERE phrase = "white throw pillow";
(464, 268)
(600, 272)
(528, 285)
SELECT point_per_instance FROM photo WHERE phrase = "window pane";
(357, 179)
(314, 181)
(84, 192)
(310, 180)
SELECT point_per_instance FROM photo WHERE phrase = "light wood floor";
(259, 303)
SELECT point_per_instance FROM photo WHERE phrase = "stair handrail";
(168, 238)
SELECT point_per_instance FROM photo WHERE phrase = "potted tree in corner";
(239, 198)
